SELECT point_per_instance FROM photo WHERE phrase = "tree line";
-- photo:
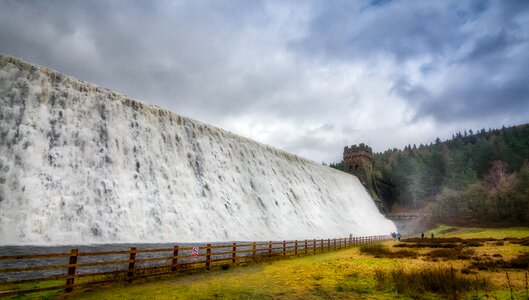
(475, 177)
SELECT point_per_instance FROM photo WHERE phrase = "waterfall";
(80, 164)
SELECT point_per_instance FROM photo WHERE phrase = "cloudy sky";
(307, 77)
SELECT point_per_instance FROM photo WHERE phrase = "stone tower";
(358, 160)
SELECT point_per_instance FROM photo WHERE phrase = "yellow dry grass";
(345, 274)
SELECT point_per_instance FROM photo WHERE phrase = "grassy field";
(421, 269)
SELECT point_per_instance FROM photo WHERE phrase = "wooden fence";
(81, 268)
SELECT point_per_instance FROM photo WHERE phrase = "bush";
(374, 249)
(381, 251)
(403, 254)
(472, 244)
(455, 253)
(426, 245)
(433, 241)
(443, 281)
(520, 241)
(519, 262)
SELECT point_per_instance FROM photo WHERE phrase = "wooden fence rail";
(145, 262)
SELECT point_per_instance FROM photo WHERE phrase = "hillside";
(478, 176)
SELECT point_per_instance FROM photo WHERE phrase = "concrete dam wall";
(80, 164)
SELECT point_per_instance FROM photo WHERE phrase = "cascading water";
(80, 164)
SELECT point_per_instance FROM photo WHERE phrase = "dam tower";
(358, 160)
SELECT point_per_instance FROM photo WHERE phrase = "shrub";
(472, 244)
(381, 251)
(455, 253)
(433, 241)
(426, 245)
(519, 262)
(374, 249)
(381, 279)
(521, 241)
(443, 281)
(403, 254)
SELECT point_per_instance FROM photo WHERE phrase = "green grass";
(347, 273)
(332, 275)
(40, 295)
(477, 232)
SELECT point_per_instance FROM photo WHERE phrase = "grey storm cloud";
(488, 41)
(304, 76)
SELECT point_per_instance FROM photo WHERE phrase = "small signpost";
(195, 251)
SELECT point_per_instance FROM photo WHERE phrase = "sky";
(308, 77)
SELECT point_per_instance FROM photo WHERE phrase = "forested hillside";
(474, 177)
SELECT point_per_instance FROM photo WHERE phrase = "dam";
(80, 164)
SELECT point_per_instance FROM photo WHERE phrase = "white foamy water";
(80, 164)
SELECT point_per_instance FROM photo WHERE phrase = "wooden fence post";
(322, 247)
(328, 244)
(296, 248)
(71, 270)
(334, 244)
(314, 246)
(284, 248)
(254, 251)
(174, 265)
(234, 253)
(132, 263)
(208, 256)
(305, 247)
(269, 249)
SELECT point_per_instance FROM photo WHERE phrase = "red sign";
(195, 251)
